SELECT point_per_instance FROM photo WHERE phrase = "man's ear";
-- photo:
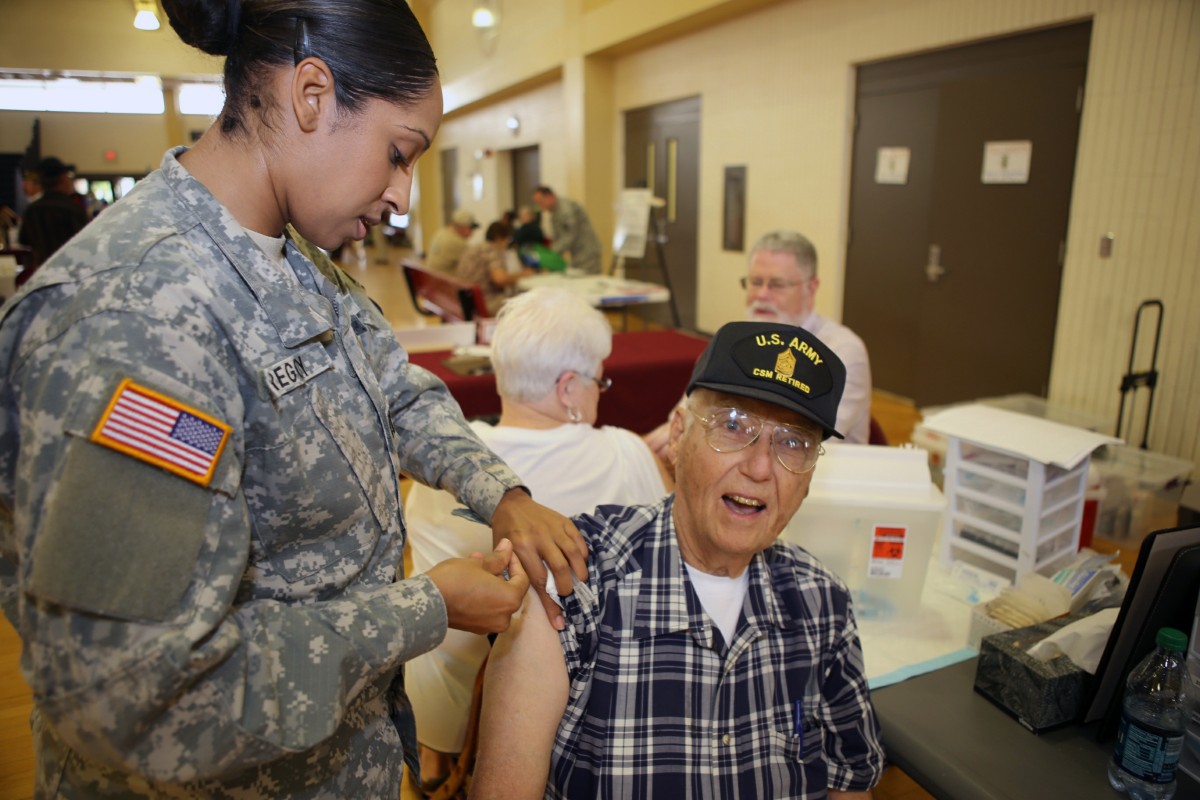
(312, 92)
(677, 422)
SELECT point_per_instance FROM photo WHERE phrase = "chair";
(459, 779)
(446, 296)
(876, 436)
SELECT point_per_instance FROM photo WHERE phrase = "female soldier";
(202, 427)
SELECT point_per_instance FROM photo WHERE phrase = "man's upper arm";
(525, 695)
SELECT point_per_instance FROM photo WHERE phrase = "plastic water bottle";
(1153, 714)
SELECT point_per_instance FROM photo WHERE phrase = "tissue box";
(1038, 694)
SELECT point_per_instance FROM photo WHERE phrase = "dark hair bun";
(204, 24)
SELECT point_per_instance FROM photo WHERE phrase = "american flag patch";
(154, 428)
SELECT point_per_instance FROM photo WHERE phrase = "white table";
(601, 291)
(934, 636)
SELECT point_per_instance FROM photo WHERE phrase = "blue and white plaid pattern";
(660, 707)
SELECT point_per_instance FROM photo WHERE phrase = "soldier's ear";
(311, 92)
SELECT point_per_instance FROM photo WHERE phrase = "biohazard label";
(887, 552)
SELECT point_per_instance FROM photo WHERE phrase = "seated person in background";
(703, 658)
(547, 348)
(485, 264)
(781, 286)
(449, 244)
(529, 228)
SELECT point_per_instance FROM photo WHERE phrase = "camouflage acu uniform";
(240, 635)
(573, 234)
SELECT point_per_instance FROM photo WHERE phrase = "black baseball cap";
(50, 168)
(780, 364)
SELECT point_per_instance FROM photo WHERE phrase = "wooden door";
(662, 153)
(450, 194)
(526, 175)
(952, 278)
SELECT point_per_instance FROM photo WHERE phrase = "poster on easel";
(632, 223)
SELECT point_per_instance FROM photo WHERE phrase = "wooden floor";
(381, 275)
(16, 746)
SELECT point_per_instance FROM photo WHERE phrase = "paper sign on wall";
(891, 165)
(887, 551)
(1007, 162)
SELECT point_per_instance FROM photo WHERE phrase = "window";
(141, 95)
(202, 99)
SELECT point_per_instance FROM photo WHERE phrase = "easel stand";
(639, 213)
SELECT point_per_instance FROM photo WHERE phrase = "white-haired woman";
(548, 350)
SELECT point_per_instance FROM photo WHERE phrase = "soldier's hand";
(478, 597)
(542, 538)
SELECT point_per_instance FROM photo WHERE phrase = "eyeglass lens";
(773, 285)
(730, 430)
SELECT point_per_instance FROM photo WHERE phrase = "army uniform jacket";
(232, 625)
(573, 233)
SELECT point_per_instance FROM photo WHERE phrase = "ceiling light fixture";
(486, 16)
(146, 18)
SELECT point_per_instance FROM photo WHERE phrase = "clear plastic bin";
(1141, 492)
(871, 516)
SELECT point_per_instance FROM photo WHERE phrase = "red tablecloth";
(650, 370)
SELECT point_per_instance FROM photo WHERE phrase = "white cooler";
(871, 517)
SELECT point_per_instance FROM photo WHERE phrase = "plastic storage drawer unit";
(1015, 487)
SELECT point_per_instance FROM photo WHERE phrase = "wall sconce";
(146, 16)
(513, 124)
(486, 16)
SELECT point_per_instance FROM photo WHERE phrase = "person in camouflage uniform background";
(202, 427)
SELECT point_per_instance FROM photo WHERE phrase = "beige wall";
(81, 139)
(775, 81)
(91, 37)
(776, 88)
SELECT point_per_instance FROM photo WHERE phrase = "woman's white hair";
(542, 333)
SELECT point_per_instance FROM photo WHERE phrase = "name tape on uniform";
(294, 371)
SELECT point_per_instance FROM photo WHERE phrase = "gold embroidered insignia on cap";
(785, 363)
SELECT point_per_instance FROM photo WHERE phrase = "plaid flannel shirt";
(660, 706)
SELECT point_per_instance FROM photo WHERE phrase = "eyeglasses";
(604, 383)
(728, 430)
(772, 285)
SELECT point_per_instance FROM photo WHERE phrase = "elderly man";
(449, 244)
(781, 287)
(702, 658)
(572, 233)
